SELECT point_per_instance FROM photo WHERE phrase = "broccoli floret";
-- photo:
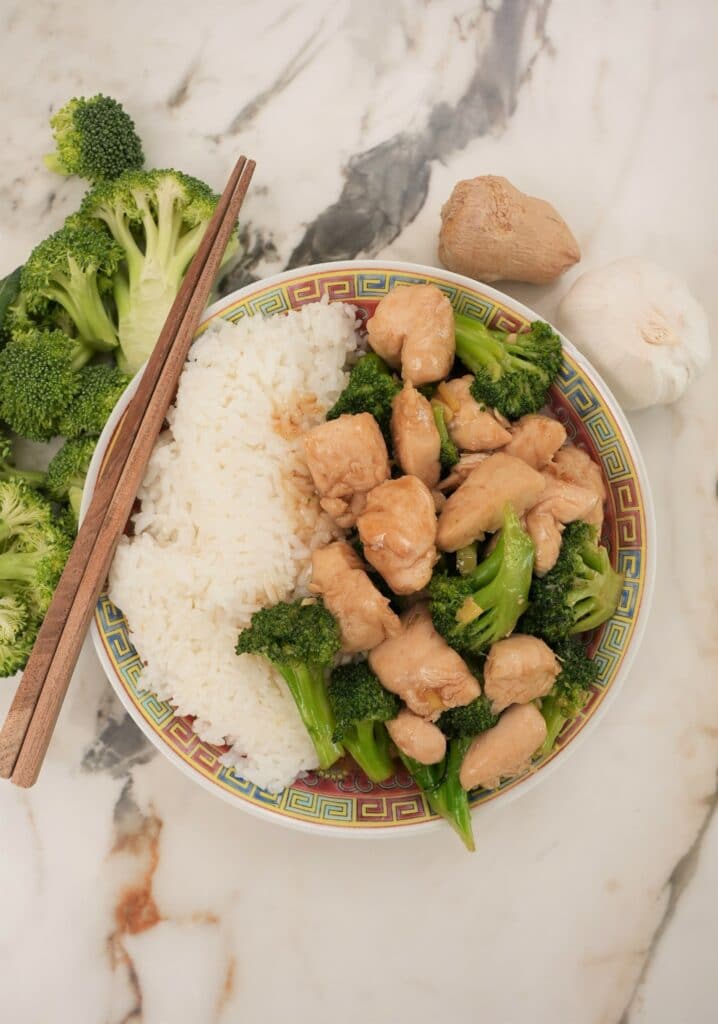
(300, 640)
(98, 391)
(8, 469)
(95, 139)
(579, 593)
(33, 552)
(571, 689)
(67, 471)
(472, 612)
(158, 219)
(448, 452)
(361, 705)
(38, 381)
(17, 634)
(9, 291)
(469, 720)
(75, 268)
(371, 388)
(512, 372)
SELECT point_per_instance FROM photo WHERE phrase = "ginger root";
(492, 232)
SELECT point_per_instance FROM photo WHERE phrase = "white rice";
(226, 525)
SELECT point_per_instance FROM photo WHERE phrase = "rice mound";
(227, 522)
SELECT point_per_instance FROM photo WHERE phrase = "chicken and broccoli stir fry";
(471, 558)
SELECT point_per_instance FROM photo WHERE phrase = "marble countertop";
(131, 895)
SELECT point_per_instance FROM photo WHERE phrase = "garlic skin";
(640, 327)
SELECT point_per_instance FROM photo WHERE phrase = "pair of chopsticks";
(30, 722)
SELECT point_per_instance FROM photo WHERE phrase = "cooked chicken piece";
(417, 738)
(363, 614)
(422, 669)
(476, 508)
(535, 439)
(346, 457)
(413, 328)
(472, 427)
(415, 436)
(545, 531)
(504, 751)
(398, 531)
(461, 470)
(576, 466)
(518, 670)
(560, 503)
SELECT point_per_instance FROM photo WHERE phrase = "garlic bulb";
(640, 327)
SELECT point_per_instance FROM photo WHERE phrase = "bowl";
(343, 801)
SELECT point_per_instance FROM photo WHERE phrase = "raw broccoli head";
(474, 611)
(300, 640)
(579, 593)
(371, 388)
(33, 548)
(95, 139)
(158, 219)
(38, 381)
(570, 691)
(17, 634)
(356, 695)
(75, 269)
(470, 720)
(67, 471)
(512, 372)
(448, 452)
(99, 388)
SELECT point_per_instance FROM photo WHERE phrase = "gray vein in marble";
(180, 93)
(119, 744)
(255, 246)
(386, 186)
(294, 66)
(677, 883)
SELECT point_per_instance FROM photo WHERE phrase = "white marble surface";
(129, 894)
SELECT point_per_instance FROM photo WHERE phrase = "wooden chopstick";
(32, 716)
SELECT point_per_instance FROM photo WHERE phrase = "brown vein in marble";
(677, 883)
(137, 839)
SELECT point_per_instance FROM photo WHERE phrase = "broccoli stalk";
(95, 139)
(8, 469)
(448, 452)
(67, 471)
(157, 218)
(371, 388)
(570, 691)
(444, 793)
(579, 593)
(474, 611)
(512, 372)
(300, 640)
(74, 268)
(361, 705)
(440, 783)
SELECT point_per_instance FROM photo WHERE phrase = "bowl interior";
(343, 797)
